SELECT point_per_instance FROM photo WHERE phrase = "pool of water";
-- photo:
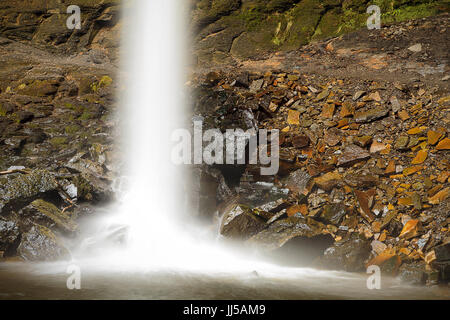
(49, 281)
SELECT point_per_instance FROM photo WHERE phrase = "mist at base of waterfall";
(48, 281)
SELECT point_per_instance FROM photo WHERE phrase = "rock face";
(40, 244)
(44, 24)
(228, 30)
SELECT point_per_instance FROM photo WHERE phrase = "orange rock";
(328, 181)
(403, 115)
(420, 157)
(365, 200)
(293, 117)
(376, 226)
(405, 201)
(346, 110)
(440, 196)
(433, 137)
(343, 123)
(430, 257)
(444, 144)
(329, 47)
(390, 167)
(382, 257)
(410, 229)
(443, 176)
(412, 170)
(417, 130)
(328, 110)
(377, 146)
(301, 208)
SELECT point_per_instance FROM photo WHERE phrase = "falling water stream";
(166, 256)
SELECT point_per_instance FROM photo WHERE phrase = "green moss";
(409, 13)
(253, 16)
(104, 82)
(58, 141)
(2, 111)
(72, 129)
(85, 116)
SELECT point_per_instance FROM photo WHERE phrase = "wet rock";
(444, 270)
(300, 141)
(366, 200)
(281, 231)
(9, 234)
(91, 187)
(256, 85)
(261, 194)
(298, 181)
(205, 189)
(47, 214)
(401, 143)
(41, 244)
(442, 252)
(362, 141)
(23, 187)
(243, 80)
(361, 180)
(365, 116)
(412, 273)
(333, 136)
(388, 261)
(333, 214)
(293, 241)
(328, 181)
(241, 223)
(347, 256)
(352, 154)
(411, 229)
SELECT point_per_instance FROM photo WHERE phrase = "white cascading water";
(160, 238)
(152, 107)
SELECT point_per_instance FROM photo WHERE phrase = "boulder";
(241, 223)
(347, 256)
(41, 244)
(293, 241)
(412, 273)
(20, 188)
(47, 214)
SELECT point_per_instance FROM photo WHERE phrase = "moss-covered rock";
(41, 244)
(261, 26)
(47, 214)
(20, 187)
(39, 88)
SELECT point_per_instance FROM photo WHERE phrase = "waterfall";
(152, 107)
